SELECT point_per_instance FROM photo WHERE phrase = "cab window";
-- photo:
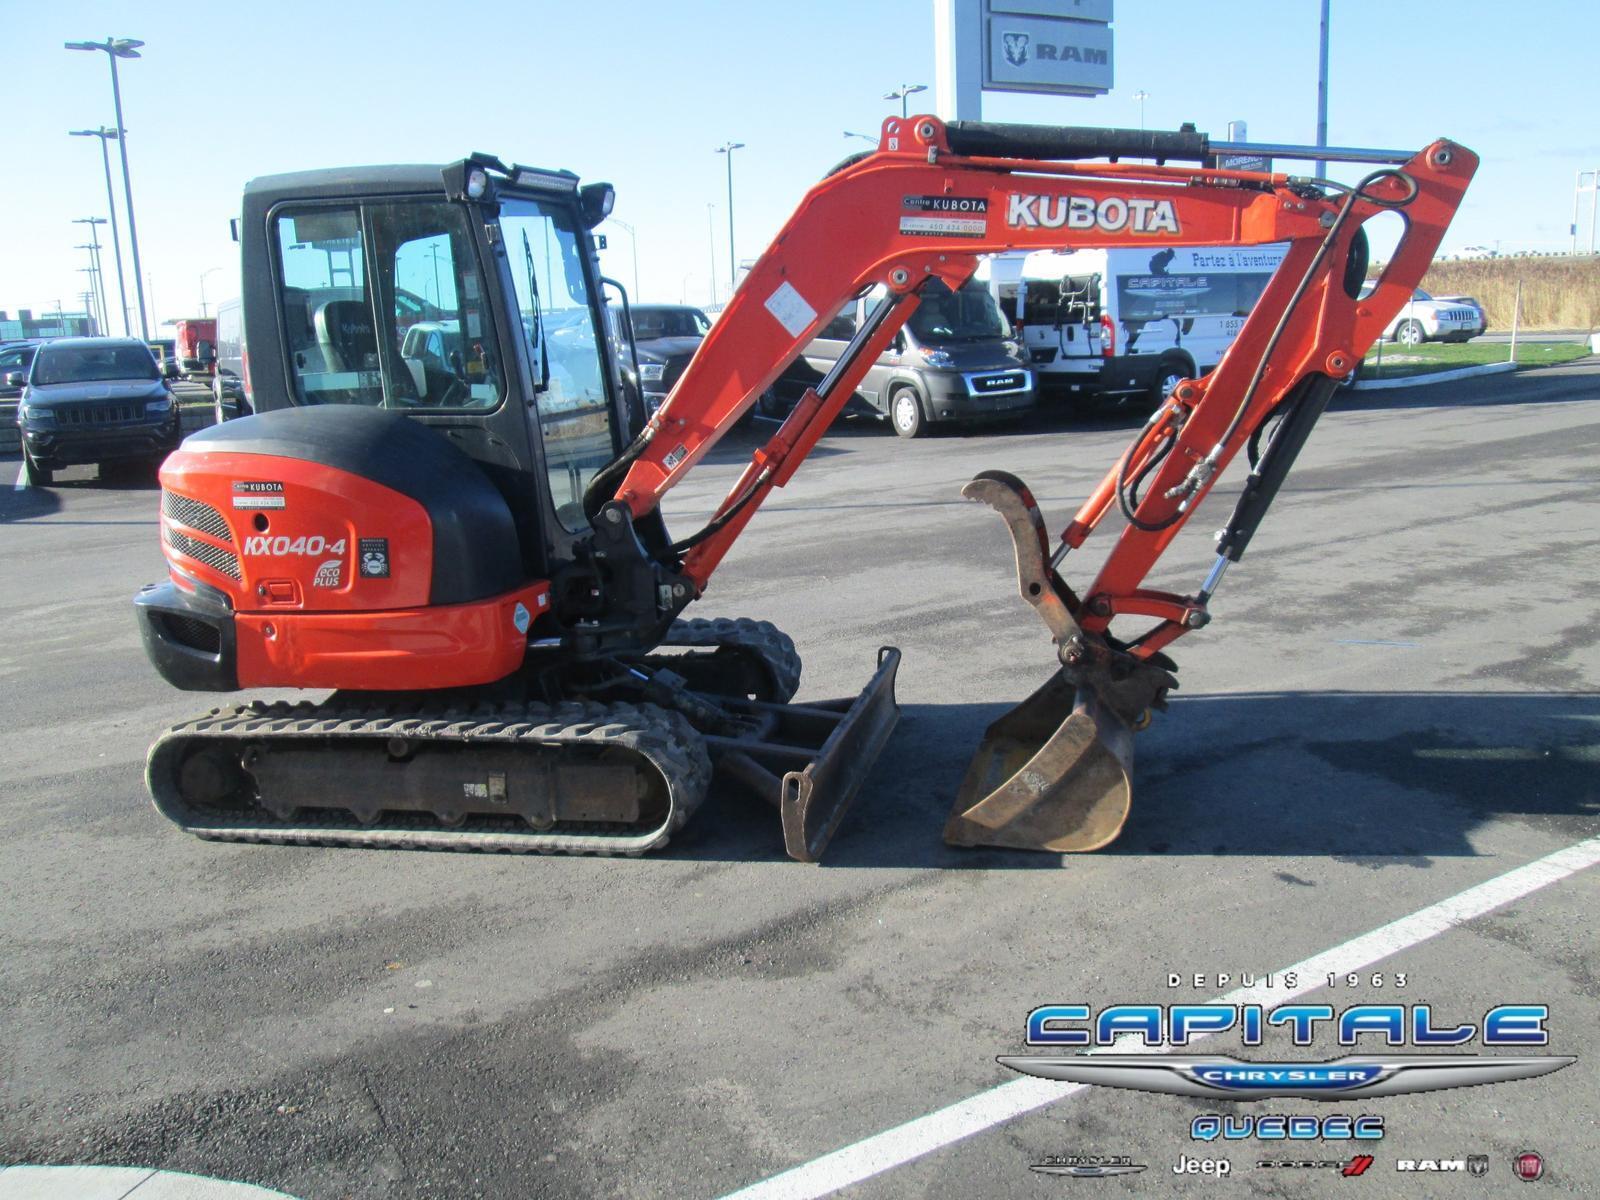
(544, 247)
(383, 305)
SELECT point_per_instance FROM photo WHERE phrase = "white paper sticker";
(942, 226)
(791, 309)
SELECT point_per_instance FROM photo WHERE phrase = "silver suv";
(1428, 318)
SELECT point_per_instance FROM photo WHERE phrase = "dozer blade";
(810, 760)
(1055, 773)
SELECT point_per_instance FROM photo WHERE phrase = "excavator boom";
(1055, 773)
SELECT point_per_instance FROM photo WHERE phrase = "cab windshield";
(969, 315)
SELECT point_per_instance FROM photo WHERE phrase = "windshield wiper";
(541, 381)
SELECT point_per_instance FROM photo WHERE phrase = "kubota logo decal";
(1110, 215)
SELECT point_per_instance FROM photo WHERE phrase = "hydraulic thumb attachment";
(1055, 773)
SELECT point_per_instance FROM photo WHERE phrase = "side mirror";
(205, 351)
(16, 379)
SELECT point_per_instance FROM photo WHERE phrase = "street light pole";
(1141, 96)
(733, 267)
(1322, 90)
(203, 274)
(900, 93)
(438, 296)
(94, 290)
(94, 224)
(633, 243)
(106, 135)
(711, 249)
(862, 136)
(91, 298)
(1577, 193)
(116, 48)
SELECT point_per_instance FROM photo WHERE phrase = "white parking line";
(121, 1183)
(21, 485)
(906, 1143)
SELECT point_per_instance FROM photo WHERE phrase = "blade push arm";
(916, 210)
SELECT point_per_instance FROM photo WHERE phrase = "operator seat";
(346, 335)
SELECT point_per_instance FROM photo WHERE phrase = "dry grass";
(1557, 293)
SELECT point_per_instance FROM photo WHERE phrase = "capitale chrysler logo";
(1016, 48)
(1224, 1077)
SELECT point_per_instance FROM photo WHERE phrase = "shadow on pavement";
(31, 503)
(1381, 779)
(26, 503)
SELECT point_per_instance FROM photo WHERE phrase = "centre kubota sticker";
(257, 493)
(330, 574)
(950, 216)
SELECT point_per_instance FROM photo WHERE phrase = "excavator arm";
(1054, 773)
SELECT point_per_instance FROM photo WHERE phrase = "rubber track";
(665, 740)
(765, 640)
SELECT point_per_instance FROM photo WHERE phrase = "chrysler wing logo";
(1226, 1078)
(1016, 48)
(1088, 1172)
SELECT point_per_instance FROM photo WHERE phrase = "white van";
(1128, 324)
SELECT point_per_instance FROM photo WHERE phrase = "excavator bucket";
(1055, 773)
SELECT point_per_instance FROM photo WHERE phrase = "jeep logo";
(1111, 215)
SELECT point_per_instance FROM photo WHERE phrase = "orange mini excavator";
(447, 512)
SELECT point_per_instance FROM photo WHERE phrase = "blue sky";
(641, 94)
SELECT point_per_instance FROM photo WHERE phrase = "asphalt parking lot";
(1396, 702)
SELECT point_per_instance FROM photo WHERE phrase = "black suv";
(93, 400)
(666, 336)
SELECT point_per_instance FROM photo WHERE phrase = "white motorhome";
(1128, 324)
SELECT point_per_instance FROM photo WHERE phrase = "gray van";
(956, 360)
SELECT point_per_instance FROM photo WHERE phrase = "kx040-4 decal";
(282, 547)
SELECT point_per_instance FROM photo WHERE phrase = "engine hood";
(98, 390)
(663, 349)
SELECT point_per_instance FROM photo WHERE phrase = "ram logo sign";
(1113, 214)
(1044, 46)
